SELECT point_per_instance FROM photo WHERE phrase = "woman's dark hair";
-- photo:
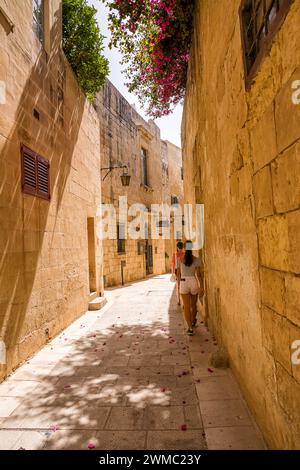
(188, 256)
(179, 245)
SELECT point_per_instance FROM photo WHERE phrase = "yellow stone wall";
(241, 153)
(44, 276)
(172, 186)
(123, 134)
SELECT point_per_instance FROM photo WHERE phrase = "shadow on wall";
(136, 366)
(50, 88)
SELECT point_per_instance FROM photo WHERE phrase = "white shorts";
(189, 286)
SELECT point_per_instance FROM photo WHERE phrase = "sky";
(169, 125)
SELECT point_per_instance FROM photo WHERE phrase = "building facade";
(172, 192)
(241, 140)
(50, 184)
(127, 139)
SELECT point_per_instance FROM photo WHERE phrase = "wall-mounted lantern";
(125, 177)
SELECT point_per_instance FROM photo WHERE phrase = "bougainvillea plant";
(154, 37)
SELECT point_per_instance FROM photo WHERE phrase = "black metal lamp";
(125, 177)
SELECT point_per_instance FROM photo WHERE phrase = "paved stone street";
(126, 377)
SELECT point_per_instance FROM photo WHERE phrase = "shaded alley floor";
(126, 377)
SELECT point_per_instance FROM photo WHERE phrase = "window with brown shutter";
(260, 20)
(121, 238)
(35, 174)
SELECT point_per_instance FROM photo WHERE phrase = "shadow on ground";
(109, 385)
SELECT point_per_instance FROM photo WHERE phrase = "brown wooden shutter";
(28, 165)
(35, 174)
(43, 178)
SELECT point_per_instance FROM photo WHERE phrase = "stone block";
(267, 328)
(286, 180)
(292, 287)
(295, 351)
(288, 393)
(288, 130)
(263, 139)
(273, 238)
(244, 144)
(282, 341)
(273, 290)
(262, 184)
(241, 184)
(276, 337)
(293, 219)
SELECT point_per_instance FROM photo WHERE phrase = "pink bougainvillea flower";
(91, 445)
(54, 427)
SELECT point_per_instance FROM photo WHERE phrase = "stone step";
(93, 295)
(97, 303)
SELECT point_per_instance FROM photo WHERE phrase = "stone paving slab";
(126, 377)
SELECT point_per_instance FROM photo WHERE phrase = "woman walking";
(189, 271)
(177, 256)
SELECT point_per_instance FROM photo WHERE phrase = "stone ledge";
(97, 303)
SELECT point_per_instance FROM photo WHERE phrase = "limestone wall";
(172, 187)
(123, 134)
(241, 154)
(44, 275)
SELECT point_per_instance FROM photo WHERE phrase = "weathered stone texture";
(245, 147)
(286, 180)
(44, 280)
(123, 135)
(293, 299)
(263, 192)
(273, 290)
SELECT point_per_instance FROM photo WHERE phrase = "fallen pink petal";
(54, 428)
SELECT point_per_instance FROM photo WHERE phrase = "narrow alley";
(126, 377)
